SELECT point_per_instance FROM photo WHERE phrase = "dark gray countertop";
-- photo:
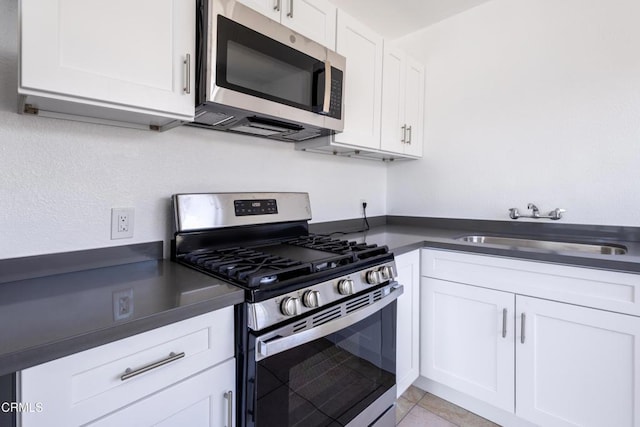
(55, 305)
(402, 237)
(45, 318)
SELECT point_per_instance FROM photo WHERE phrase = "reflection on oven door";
(329, 381)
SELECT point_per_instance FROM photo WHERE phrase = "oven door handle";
(269, 345)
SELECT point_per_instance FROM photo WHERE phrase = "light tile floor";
(417, 408)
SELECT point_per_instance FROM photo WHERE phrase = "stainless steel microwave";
(258, 77)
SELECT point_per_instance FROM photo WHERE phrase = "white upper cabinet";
(402, 104)
(98, 57)
(270, 8)
(414, 107)
(363, 49)
(315, 19)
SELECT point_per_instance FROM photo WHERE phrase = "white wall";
(60, 179)
(528, 101)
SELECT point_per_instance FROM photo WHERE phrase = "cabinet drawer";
(607, 290)
(201, 401)
(86, 385)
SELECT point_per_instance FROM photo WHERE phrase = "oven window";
(329, 381)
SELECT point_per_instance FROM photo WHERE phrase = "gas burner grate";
(248, 267)
(358, 251)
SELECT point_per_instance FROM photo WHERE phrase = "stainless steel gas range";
(315, 339)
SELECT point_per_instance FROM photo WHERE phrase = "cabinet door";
(126, 52)
(270, 8)
(363, 82)
(577, 365)
(414, 107)
(392, 132)
(315, 19)
(408, 323)
(467, 339)
(204, 400)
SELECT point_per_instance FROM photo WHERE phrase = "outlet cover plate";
(122, 304)
(122, 220)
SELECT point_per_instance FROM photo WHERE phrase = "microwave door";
(254, 64)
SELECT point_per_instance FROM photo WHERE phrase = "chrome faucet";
(535, 213)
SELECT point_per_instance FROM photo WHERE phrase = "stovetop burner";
(268, 265)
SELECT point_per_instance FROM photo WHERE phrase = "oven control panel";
(283, 307)
(255, 207)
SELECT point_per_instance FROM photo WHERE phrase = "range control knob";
(374, 277)
(345, 287)
(386, 272)
(289, 306)
(311, 299)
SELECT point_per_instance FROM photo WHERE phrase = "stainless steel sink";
(551, 245)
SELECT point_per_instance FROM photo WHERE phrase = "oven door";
(335, 367)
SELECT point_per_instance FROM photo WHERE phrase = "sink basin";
(550, 245)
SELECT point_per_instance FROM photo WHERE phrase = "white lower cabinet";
(463, 340)
(179, 374)
(576, 366)
(545, 362)
(408, 321)
(204, 400)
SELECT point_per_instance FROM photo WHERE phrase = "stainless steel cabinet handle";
(290, 14)
(326, 106)
(522, 321)
(404, 134)
(229, 396)
(277, 6)
(187, 63)
(504, 323)
(410, 136)
(129, 373)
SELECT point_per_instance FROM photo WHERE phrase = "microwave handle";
(326, 105)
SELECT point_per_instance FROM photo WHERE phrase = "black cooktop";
(280, 264)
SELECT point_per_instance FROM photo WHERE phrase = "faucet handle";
(556, 213)
(513, 213)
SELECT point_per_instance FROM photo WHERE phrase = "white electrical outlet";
(122, 223)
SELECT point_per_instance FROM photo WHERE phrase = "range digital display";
(255, 207)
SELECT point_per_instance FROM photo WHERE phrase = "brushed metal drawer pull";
(522, 320)
(129, 373)
(290, 14)
(229, 396)
(504, 323)
(187, 72)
